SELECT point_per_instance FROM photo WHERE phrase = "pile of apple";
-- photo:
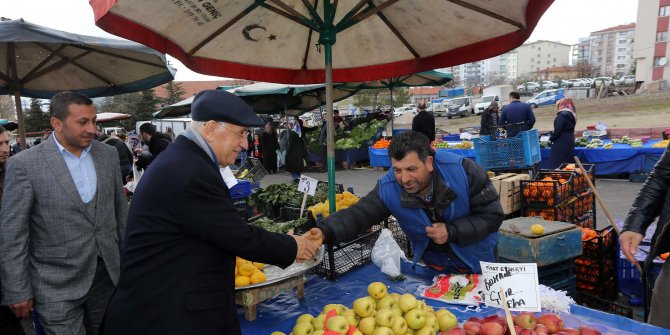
(525, 323)
(380, 313)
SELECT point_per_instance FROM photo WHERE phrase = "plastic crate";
(604, 305)
(293, 213)
(343, 257)
(547, 193)
(583, 203)
(399, 236)
(269, 211)
(244, 209)
(254, 168)
(602, 246)
(580, 183)
(241, 190)
(630, 282)
(517, 152)
(562, 213)
(586, 220)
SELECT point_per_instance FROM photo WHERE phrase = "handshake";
(308, 244)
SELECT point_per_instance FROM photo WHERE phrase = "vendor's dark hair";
(3, 130)
(148, 128)
(515, 95)
(410, 141)
(59, 105)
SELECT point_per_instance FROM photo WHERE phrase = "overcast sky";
(565, 21)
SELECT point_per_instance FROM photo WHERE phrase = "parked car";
(400, 111)
(529, 86)
(625, 80)
(602, 80)
(583, 82)
(570, 83)
(548, 84)
(484, 103)
(548, 97)
(462, 106)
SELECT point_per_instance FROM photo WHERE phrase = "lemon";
(258, 277)
(246, 270)
(537, 229)
(242, 281)
(258, 265)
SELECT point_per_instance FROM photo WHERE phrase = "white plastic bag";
(386, 254)
(137, 174)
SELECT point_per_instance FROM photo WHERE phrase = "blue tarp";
(280, 313)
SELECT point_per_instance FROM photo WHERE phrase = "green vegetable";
(278, 227)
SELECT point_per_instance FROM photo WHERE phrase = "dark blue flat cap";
(225, 107)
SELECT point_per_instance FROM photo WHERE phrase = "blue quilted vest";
(414, 220)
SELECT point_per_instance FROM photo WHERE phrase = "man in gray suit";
(62, 222)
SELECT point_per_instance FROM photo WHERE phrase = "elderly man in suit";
(62, 219)
(184, 232)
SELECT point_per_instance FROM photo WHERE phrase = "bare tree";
(7, 110)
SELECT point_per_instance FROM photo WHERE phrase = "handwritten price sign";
(518, 281)
(307, 185)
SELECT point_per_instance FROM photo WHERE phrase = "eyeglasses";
(243, 135)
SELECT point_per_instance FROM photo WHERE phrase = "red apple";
(475, 319)
(455, 331)
(491, 328)
(553, 322)
(526, 332)
(570, 331)
(540, 329)
(584, 330)
(497, 319)
(525, 320)
(472, 327)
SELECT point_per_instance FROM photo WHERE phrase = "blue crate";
(397, 132)
(630, 283)
(241, 190)
(511, 153)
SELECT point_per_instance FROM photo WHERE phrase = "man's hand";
(22, 309)
(306, 249)
(629, 242)
(315, 237)
(438, 233)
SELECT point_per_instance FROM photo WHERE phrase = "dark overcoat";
(563, 139)
(178, 262)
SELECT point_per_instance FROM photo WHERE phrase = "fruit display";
(248, 273)
(464, 145)
(441, 145)
(593, 143)
(552, 189)
(545, 144)
(245, 174)
(633, 142)
(343, 200)
(381, 144)
(347, 143)
(661, 144)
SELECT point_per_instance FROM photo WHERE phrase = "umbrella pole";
(331, 127)
(19, 119)
(392, 109)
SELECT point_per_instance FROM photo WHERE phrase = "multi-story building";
(535, 56)
(611, 50)
(581, 52)
(511, 68)
(651, 43)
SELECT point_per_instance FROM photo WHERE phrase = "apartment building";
(611, 50)
(535, 56)
(651, 43)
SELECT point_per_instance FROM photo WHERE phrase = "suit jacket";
(49, 244)
(182, 237)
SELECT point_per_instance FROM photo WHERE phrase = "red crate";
(541, 192)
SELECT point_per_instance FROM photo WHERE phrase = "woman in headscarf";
(489, 119)
(563, 136)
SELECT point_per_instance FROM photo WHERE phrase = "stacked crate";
(596, 268)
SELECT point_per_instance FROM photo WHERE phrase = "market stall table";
(350, 156)
(380, 157)
(280, 313)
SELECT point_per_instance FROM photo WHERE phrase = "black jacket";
(486, 213)
(178, 262)
(653, 202)
(563, 139)
(424, 122)
(157, 144)
(489, 122)
(125, 155)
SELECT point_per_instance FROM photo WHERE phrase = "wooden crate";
(250, 298)
(508, 187)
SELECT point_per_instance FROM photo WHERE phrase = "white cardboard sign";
(228, 177)
(519, 282)
(307, 185)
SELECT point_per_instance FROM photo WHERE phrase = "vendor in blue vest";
(445, 204)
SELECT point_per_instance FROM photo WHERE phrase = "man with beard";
(62, 221)
(156, 141)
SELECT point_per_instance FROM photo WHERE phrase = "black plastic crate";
(269, 211)
(254, 170)
(244, 209)
(601, 247)
(343, 257)
(586, 220)
(399, 236)
(293, 213)
(561, 213)
(579, 181)
(553, 192)
(604, 305)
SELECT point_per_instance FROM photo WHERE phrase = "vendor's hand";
(629, 242)
(315, 237)
(22, 309)
(438, 233)
(306, 249)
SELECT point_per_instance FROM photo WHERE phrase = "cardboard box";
(559, 242)
(508, 187)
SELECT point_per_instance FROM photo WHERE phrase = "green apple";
(407, 301)
(280, 333)
(447, 321)
(367, 325)
(377, 290)
(386, 302)
(318, 332)
(318, 321)
(339, 309)
(399, 326)
(440, 312)
(421, 305)
(303, 329)
(351, 317)
(338, 324)
(416, 319)
(398, 313)
(426, 331)
(363, 307)
(396, 296)
(305, 318)
(383, 331)
(355, 332)
(385, 317)
(431, 321)
(410, 331)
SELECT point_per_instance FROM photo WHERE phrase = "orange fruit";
(242, 281)
(258, 277)
(247, 270)
(664, 256)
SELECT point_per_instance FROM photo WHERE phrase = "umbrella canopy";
(109, 117)
(311, 41)
(426, 78)
(39, 62)
(179, 108)
(9, 125)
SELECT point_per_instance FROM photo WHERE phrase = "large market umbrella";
(294, 41)
(109, 117)
(39, 62)
(8, 125)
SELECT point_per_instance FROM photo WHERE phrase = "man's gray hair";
(198, 124)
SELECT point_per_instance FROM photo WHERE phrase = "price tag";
(307, 185)
(228, 177)
(544, 138)
(519, 282)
